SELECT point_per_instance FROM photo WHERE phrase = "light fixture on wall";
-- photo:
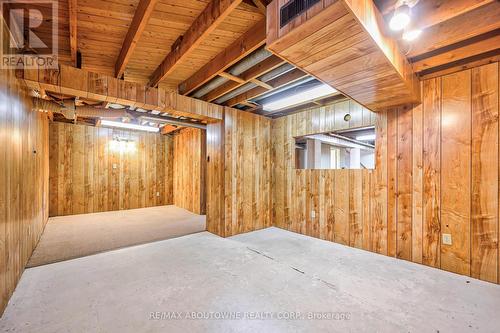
(304, 96)
(118, 124)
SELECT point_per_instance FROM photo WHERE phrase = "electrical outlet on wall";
(157, 194)
(115, 165)
(313, 214)
(447, 239)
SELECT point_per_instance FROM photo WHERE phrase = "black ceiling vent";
(294, 8)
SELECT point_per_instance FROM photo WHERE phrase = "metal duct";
(248, 62)
(70, 111)
(88, 111)
(42, 105)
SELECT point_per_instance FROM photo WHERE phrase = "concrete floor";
(271, 273)
(74, 236)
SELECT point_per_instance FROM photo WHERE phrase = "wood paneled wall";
(247, 172)
(239, 173)
(23, 181)
(190, 169)
(437, 172)
(88, 175)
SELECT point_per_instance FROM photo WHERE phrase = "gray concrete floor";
(271, 273)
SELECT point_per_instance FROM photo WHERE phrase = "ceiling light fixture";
(368, 137)
(304, 96)
(411, 35)
(117, 124)
(401, 18)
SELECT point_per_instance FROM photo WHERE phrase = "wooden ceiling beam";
(280, 81)
(231, 77)
(254, 38)
(454, 30)
(461, 52)
(261, 5)
(261, 84)
(139, 22)
(215, 12)
(73, 30)
(253, 72)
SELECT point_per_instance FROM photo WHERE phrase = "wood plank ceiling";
(106, 28)
(131, 39)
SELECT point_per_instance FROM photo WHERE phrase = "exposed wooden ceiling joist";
(253, 72)
(141, 18)
(215, 12)
(73, 31)
(490, 43)
(261, 5)
(254, 38)
(278, 82)
(231, 77)
(485, 18)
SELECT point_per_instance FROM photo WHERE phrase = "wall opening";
(343, 149)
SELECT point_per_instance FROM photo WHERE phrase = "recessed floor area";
(272, 273)
(73, 236)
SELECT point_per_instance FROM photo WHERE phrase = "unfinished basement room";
(249, 166)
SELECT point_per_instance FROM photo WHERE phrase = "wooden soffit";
(344, 44)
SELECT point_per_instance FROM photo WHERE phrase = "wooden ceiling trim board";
(73, 30)
(141, 17)
(463, 52)
(259, 69)
(254, 38)
(280, 81)
(485, 18)
(215, 12)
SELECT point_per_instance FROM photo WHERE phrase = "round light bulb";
(401, 18)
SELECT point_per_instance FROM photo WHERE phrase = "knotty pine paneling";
(437, 171)
(88, 175)
(23, 181)
(189, 169)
